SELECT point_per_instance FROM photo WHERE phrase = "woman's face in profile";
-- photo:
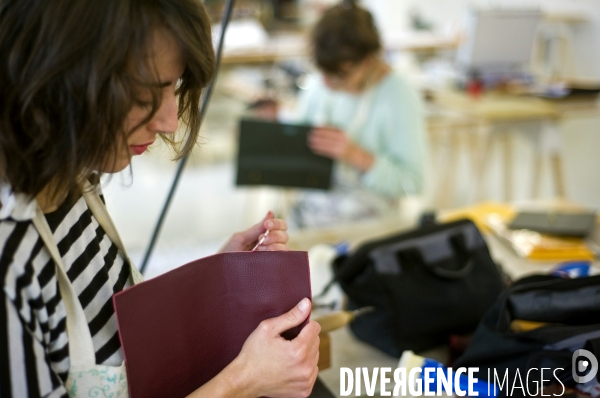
(168, 60)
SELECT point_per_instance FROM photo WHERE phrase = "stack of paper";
(495, 218)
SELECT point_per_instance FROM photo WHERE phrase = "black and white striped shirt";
(34, 346)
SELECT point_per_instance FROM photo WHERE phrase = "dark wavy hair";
(345, 33)
(69, 74)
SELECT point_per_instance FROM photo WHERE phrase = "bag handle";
(453, 273)
(458, 243)
(346, 268)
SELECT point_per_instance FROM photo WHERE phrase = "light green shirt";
(386, 120)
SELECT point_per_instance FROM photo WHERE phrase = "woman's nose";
(165, 120)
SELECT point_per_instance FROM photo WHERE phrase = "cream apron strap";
(99, 211)
(80, 339)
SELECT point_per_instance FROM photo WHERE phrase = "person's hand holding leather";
(269, 365)
(334, 143)
(246, 240)
(272, 366)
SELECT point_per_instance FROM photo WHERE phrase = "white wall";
(393, 15)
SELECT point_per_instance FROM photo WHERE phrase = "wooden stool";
(546, 143)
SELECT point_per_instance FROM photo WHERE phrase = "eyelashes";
(142, 104)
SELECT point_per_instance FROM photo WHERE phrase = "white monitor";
(498, 40)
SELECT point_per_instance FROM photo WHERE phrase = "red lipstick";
(139, 149)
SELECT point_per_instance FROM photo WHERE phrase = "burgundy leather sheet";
(180, 329)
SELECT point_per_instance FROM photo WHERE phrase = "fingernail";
(269, 224)
(303, 305)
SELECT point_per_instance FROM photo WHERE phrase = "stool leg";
(536, 181)
(436, 144)
(486, 146)
(508, 161)
(448, 182)
(539, 151)
(559, 183)
(473, 146)
(551, 144)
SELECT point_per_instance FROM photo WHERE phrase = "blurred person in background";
(367, 118)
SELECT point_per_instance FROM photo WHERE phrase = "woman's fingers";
(275, 236)
(328, 142)
(325, 139)
(290, 319)
(275, 224)
(273, 247)
(326, 132)
(279, 367)
(254, 233)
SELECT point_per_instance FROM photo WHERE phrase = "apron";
(348, 200)
(86, 379)
(347, 177)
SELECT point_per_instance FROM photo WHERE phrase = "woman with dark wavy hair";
(87, 85)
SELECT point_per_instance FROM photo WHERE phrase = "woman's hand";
(272, 366)
(329, 142)
(246, 240)
(334, 143)
(269, 365)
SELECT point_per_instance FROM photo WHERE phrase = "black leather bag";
(424, 285)
(569, 307)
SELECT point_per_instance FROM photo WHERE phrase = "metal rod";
(181, 164)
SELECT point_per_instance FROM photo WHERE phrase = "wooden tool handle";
(335, 320)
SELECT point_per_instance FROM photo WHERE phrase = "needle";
(261, 240)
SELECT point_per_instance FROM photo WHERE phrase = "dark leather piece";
(277, 154)
(575, 306)
(182, 328)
